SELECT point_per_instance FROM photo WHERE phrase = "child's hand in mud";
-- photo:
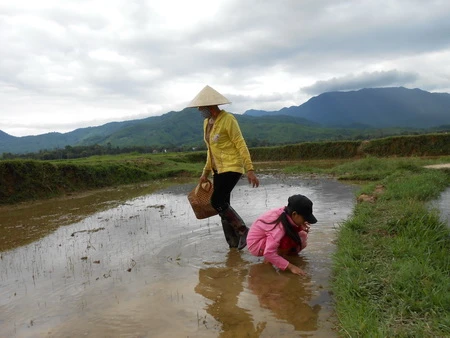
(296, 270)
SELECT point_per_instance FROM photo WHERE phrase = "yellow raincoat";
(227, 146)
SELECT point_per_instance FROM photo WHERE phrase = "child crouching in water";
(282, 231)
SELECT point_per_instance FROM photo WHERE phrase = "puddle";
(147, 267)
(443, 205)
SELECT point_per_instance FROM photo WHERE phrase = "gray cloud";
(258, 52)
(364, 80)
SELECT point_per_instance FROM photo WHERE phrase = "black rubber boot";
(243, 238)
(238, 225)
(230, 234)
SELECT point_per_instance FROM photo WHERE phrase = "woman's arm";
(239, 142)
(237, 139)
(271, 250)
(296, 270)
(208, 165)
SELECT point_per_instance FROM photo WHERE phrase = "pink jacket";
(264, 239)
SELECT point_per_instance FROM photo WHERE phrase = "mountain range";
(328, 116)
(375, 107)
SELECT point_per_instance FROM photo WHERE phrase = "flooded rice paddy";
(122, 263)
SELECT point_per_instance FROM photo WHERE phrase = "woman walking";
(228, 159)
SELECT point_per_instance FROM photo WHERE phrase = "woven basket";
(200, 200)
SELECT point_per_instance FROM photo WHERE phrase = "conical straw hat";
(208, 97)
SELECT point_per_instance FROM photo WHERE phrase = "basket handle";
(205, 186)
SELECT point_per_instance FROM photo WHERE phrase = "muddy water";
(146, 267)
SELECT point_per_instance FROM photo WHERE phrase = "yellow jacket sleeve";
(238, 140)
(227, 146)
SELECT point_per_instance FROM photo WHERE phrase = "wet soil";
(142, 265)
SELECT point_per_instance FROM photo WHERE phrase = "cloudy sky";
(66, 64)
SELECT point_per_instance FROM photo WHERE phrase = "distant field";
(22, 180)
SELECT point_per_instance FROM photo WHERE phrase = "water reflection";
(286, 295)
(222, 285)
(443, 204)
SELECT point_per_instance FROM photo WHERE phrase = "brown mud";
(139, 264)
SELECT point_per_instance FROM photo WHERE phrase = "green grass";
(22, 180)
(391, 269)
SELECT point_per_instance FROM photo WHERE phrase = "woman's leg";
(231, 235)
(223, 186)
(220, 200)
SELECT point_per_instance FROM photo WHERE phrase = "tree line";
(73, 152)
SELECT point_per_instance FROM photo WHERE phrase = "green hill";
(367, 113)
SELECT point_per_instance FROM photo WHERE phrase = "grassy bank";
(391, 274)
(22, 180)
(400, 146)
